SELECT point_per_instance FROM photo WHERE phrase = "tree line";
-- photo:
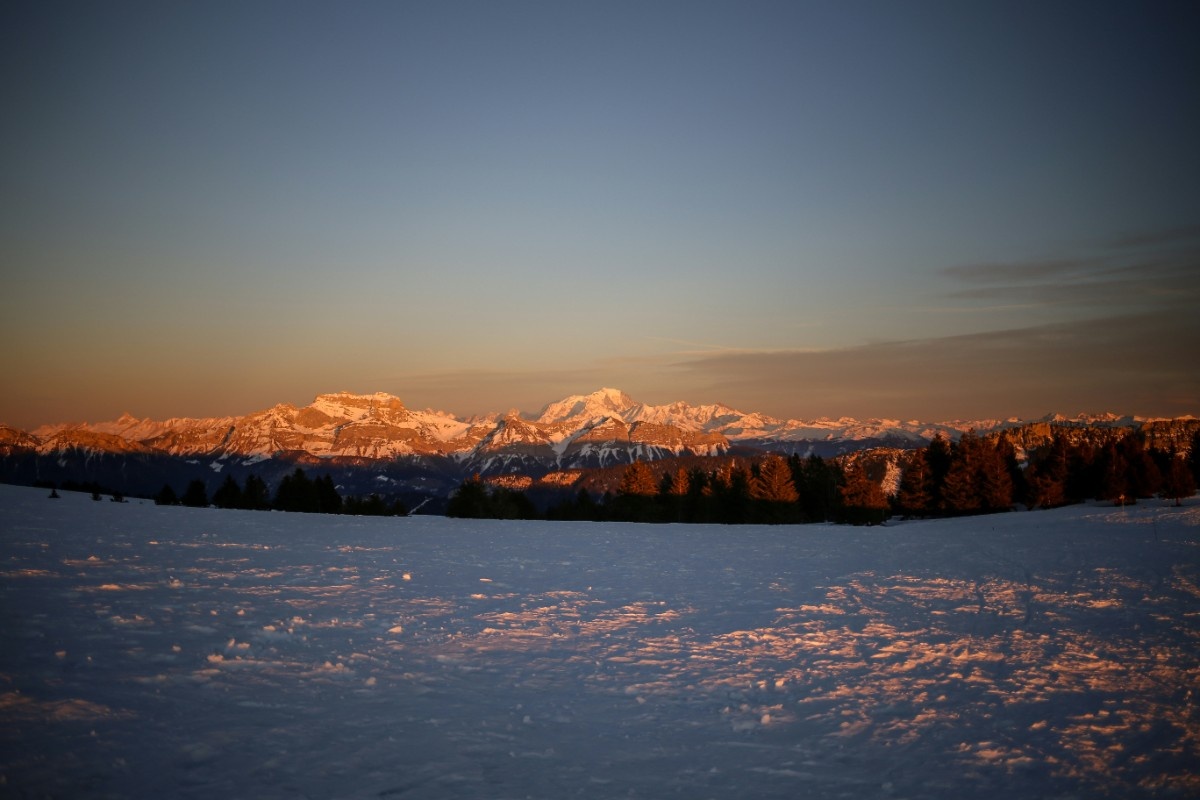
(296, 492)
(771, 490)
(973, 475)
(982, 475)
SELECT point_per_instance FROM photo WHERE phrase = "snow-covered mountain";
(602, 429)
(593, 430)
(578, 427)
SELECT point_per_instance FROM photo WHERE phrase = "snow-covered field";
(172, 652)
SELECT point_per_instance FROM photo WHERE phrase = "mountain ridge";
(373, 443)
(379, 425)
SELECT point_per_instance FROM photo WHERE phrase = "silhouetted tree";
(580, 507)
(469, 501)
(697, 503)
(1194, 456)
(255, 496)
(473, 500)
(938, 455)
(731, 495)
(1114, 475)
(373, 506)
(228, 494)
(818, 484)
(166, 496)
(296, 493)
(1046, 476)
(1081, 471)
(195, 495)
(1177, 481)
(328, 499)
(506, 503)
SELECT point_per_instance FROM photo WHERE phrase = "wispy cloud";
(1145, 272)
(1020, 272)
(693, 346)
(1186, 234)
(1141, 363)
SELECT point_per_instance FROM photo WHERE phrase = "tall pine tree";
(914, 498)
(960, 491)
(1177, 481)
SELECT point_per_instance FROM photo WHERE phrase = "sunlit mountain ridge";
(606, 426)
(373, 442)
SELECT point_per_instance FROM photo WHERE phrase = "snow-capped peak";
(604, 402)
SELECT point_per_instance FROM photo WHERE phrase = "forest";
(973, 475)
(296, 492)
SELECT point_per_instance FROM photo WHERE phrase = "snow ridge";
(603, 427)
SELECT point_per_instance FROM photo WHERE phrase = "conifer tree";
(773, 482)
(1082, 471)
(914, 498)
(774, 492)
(863, 499)
(582, 507)
(166, 496)
(470, 501)
(370, 506)
(1177, 481)
(635, 495)
(680, 482)
(672, 493)
(938, 456)
(639, 480)
(296, 493)
(1145, 480)
(960, 493)
(995, 485)
(255, 496)
(1046, 476)
(818, 483)
(586, 507)
(697, 502)
(1114, 475)
(1194, 456)
(195, 495)
(328, 501)
(506, 503)
(228, 494)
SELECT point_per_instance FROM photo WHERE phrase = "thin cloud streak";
(1020, 271)
(1151, 272)
(1121, 293)
(1167, 236)
(1143, 364)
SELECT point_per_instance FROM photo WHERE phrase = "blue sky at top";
(211, 207)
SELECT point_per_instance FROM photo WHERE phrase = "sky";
(917, 210)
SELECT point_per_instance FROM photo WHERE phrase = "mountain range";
(429, 450)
